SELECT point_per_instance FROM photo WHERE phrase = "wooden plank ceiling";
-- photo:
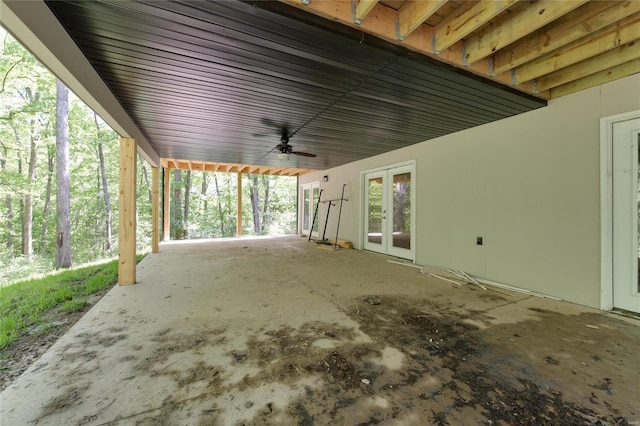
(217, 82)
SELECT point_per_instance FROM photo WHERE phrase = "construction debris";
(460, 278)
(341, 243)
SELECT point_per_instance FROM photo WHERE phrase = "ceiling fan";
(284, 149)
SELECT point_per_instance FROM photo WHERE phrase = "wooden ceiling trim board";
(591, 17)
(414, 13)
(524, 19)
(615, 73)
(363, 7)
(382, 24)
(464, 21)
(624, 31)
(610, 59)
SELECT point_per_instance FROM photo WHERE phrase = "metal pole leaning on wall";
(339, 214)
(315, 214)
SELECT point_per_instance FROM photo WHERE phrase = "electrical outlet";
(479, 241)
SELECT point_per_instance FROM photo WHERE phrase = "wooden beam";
(166, 216)
(615, 73)
(239, 203)
(591, 17)
(155, 210)
(381, 23)
(607, 60)
(466, 20)
(127, 213)
(526, 18)
(625, 31)
(413, 14)
(362, 10)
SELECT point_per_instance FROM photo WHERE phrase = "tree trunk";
(105, 186)
(105, 195)
(47, 199)
(203, 192)
(215, 179)
(187, 196)
(265, 208)
(27, 218)
(63, 200)
(177, 205)
(145, 176)
(255, 204)
(8, 199)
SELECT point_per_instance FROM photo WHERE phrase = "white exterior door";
(625, 203)
(389, 203)
(309, 193)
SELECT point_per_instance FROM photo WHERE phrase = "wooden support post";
(127, 202)
(239, 218)
(166, 230)
(155, 209)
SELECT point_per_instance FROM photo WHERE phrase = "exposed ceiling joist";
(625, 31)
(208, 166)
(490, 38)
(414, 13)
(610, 59)
(621, 71)
(363, 8)
(512, 27)
(459, 25)
(579, 23)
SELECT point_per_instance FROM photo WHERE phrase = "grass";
(26, 303)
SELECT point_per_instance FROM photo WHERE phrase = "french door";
(389, 211)
(309, 193)
(625, 214)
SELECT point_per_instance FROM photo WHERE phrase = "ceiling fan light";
(283, 156)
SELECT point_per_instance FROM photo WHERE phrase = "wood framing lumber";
(620, 71)
(466, 20)
(610, 59)
(166, 216)
(625, 31)
(239, 205)
(155, 209)
(414, 13)
(363, 8)
(590, 17)
(504, 30)
(127, 213)
(341, 243)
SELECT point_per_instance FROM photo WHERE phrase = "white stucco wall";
(529, 185)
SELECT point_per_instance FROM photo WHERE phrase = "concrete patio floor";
(277, 331)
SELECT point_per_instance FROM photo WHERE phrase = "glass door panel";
(312, 210)
(375, 214)
(388, 209)
(310, 193)
(401, 231)
(305, 210)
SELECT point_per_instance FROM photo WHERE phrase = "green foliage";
(25, 303)
(27, 133)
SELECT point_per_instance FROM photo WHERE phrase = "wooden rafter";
(577, 24)
(621, 71)
(414, 13)
(363, 8)
(508, 28)
(458, 25)
(625, 31)
(593, 65)
(522, 44)
(233, 168)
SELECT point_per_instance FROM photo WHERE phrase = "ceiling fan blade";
(270, 123)
(303, 154)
